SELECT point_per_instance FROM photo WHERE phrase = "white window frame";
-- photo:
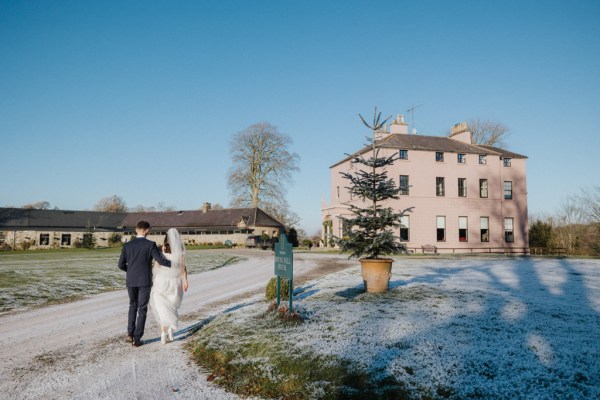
(508, 190)
(463, 224)
(484, 190)
(440, 223)
(404, 189)
(463, 192)
(509, 230)
(484, 229)
(440, 183)
(405, 224)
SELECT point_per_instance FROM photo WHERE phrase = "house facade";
(40, 229)
(465, 197)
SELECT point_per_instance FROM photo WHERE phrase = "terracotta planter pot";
(376, 274)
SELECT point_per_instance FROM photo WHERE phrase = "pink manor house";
(466, 197)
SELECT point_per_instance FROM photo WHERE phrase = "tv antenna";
(412, 117)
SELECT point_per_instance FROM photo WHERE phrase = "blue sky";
(141, 99)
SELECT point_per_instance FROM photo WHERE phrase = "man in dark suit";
(136, 260)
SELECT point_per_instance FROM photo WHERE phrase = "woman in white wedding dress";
(168, 285)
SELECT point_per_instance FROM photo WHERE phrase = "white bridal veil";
(177, 250)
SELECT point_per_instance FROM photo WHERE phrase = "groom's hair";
(143, 225)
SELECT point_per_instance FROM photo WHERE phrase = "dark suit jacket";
(136, 260)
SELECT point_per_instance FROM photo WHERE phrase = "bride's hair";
(166, 245)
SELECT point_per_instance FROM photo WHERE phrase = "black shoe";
(137, 343)
(129, 339)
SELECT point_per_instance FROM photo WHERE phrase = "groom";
(136, 261)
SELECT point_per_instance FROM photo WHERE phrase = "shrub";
(26, 244)
(114, 239)
(271, 291)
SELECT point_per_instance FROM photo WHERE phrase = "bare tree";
(40, 205)
(216, 206)
(590, 203)
(282, 213)
(142, 208)
(162, 206)
(262, 168)
(569, 223)
(488, 132)
(111, 204)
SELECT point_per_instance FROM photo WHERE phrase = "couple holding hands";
(156, 278)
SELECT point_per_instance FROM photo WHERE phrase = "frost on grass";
(477, 327)
(32, 279)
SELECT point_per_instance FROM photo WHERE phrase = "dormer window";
(403, 154)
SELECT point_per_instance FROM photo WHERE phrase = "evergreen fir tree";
(89, 241)
(370, 232)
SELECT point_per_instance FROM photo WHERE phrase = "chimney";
(461, 133)
(382, 132)
(398, 125)
(205, 207)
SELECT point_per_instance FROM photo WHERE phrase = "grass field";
(449, 328)
(38, 278)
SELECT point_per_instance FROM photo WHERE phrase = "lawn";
(37, 278)
(475, 327)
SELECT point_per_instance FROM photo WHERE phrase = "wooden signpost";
(284, 265)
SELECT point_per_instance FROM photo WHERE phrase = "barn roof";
(29, 218)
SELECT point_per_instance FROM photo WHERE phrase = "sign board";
(284, 258)
(284, 265)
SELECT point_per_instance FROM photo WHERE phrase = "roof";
(24, 218)
(199, 218)
(433, 143)
(35, 218)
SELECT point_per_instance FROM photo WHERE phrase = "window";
(462, 187)
(404, 154)
(509, 235)
(65, 239)
(344, 229)
(405, 228)
(44, 239)
(508, 194)
(507, 161)
(439, 156)
(482, 159)
(463, 230)
(441, 229)
(439, 186)
(462, 158)
(483, 188)
(338, 192)
(404, 187)
(484, 223)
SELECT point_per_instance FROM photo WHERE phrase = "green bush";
(114, 239)
(271, 292)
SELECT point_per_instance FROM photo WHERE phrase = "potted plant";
(370, 232)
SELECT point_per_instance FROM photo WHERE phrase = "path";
(77, 350)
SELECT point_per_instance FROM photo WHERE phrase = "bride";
(168, 285)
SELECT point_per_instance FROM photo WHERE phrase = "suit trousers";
(138, 309)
